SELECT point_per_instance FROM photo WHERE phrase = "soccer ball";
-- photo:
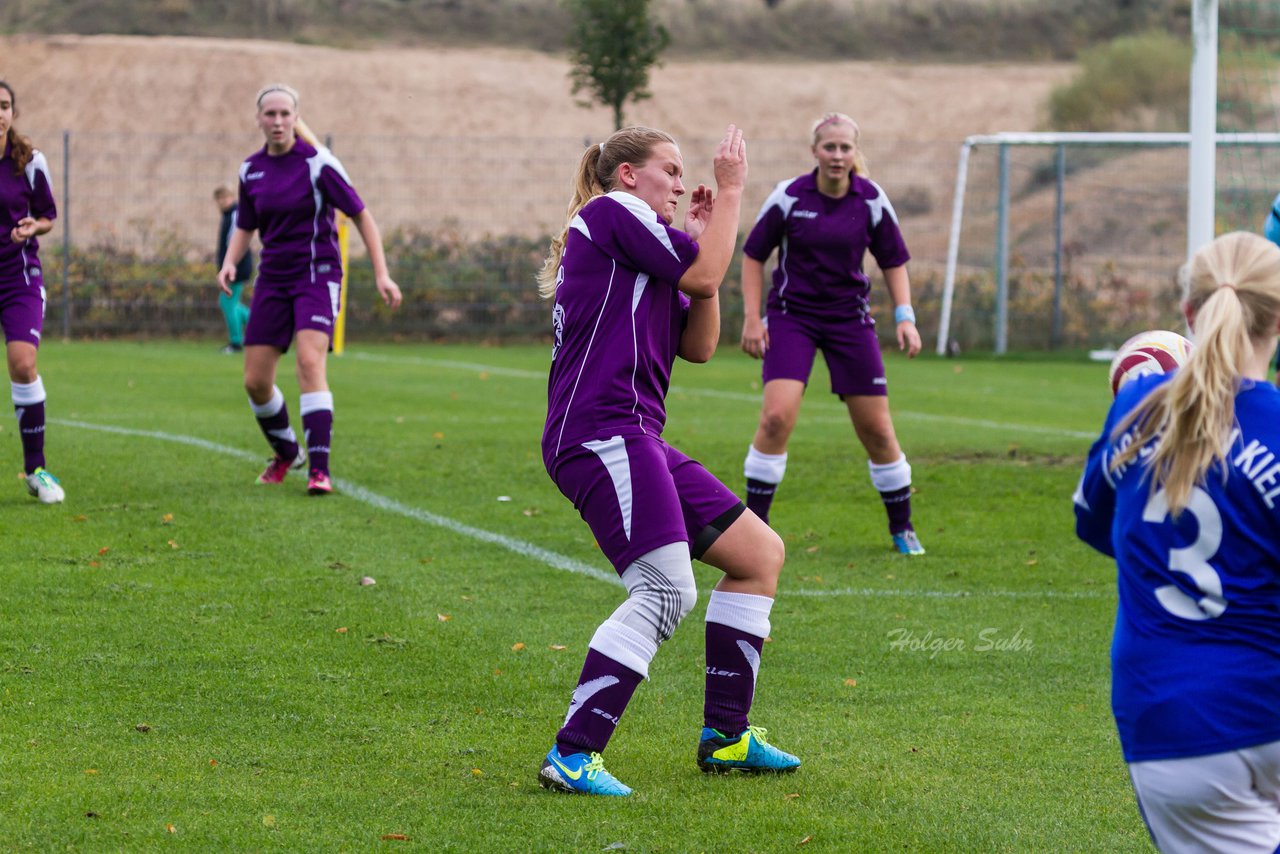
(1153, 352)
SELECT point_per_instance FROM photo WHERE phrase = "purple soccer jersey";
(617, 319)
(28, 193)
(290, 199)
(822, 242)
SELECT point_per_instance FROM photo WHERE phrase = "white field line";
(537, 553)
(741, 397)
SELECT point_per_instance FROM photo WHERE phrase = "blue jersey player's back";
(1182, 489)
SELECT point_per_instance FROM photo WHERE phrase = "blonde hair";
(300, 128)
(828, 119)
(596, 175)
(1232, 286)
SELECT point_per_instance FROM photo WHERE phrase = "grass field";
(189, 660)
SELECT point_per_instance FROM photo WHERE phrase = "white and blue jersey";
(1196, 651)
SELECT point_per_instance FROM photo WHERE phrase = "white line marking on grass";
(546, 556)
(870, 592)
(520, 547)
(739, 396)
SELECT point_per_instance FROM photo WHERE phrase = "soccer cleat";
(278, 467)
(45, 487)
(748, 752)
(319, 483)
(907, 543)
(231, 349)
(579, 774)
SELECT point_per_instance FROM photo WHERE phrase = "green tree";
(612, 44)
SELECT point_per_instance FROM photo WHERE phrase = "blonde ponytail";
(1232, 288)
(596, 175)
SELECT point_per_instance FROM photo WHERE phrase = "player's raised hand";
(701, 204)
(731, 160)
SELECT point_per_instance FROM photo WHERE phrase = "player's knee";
(662, 591)
(772, 554)
(775, 424)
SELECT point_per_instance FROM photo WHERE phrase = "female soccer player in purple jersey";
(631, 293)
(1183, 490)
(823, 223)
(288, 192)
(26, 211)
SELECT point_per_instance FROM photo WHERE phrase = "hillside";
(481, 139)
(930, 30)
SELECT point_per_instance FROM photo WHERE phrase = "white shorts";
(1224, 802)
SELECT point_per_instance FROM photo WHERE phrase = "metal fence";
(467, 219)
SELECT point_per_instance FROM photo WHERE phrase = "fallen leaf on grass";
(444, 618)
(805, 841)
(394, 837)
(768, 639)
(367, 581)
(91, 770)
(93, 563)
(268, 820)
(437, 435)
(813, 550)
(104, 550)
(167, 519)
(342, 630)
(531, 511)
(852, 683)
(516, 647)
(1032, 562)
(557, 646)
(143, 727)
(476, 772)
(171, 828)
(80, 518)
(497, 671)
(791, 797)
(173, 544)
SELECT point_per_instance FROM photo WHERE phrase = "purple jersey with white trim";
(289, 199)
(29, 193)
(821, 243)
(618, 318)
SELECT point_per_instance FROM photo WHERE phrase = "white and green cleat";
(45, 487)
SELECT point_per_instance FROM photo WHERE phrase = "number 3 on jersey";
(1192, 560)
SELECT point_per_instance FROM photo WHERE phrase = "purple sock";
(31, 426)
(604, 689)
(737, 624)
(760, 497)
(897, 503)
(273, 418)
(317, 430)
(28, 405)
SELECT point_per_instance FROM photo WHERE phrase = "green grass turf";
(955, 702)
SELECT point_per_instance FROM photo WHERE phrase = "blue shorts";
(280, 310)
(852, 352)
(637, 493)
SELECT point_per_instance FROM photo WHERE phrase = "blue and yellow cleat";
(579, 774)
(748, 751)
(907, 543)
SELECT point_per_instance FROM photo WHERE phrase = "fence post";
(66, 233)
(1055, 337)
(1002, 256)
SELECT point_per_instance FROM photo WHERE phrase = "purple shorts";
(22, 313)
(279, 310)
(852, 352)
(637, 493)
